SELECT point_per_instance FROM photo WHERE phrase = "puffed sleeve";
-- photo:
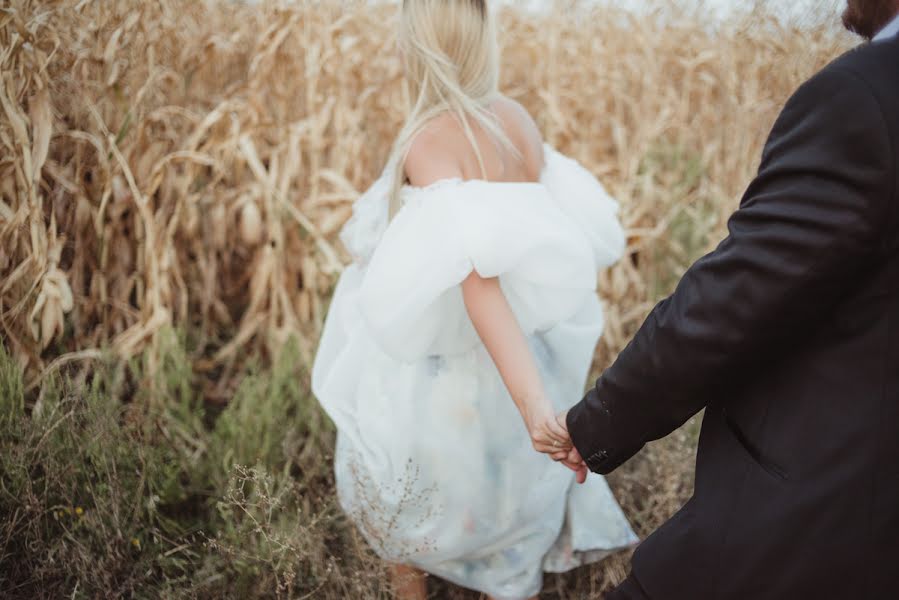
(411, 297)
(581, 196)
(362, 232)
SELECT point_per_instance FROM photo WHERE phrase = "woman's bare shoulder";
(517, 116)
(430, 157)
(522, 130)
(439, 151)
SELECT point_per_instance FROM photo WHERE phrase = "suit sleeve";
(813, 216)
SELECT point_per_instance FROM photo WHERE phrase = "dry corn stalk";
(189, 163)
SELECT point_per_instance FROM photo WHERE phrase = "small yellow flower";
(79, 511)
(135, 542)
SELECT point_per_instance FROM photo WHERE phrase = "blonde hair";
(452, 64)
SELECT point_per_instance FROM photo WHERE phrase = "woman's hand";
(549, 435)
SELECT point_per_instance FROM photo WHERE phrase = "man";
(788, 335)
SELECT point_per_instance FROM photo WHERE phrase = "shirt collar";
(888, 31)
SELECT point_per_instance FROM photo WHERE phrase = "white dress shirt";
(888, 31)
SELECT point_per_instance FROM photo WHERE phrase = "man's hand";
(574, 462)
(572, 459)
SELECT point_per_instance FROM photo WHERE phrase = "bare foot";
(409, 583)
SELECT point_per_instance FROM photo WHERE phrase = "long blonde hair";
(452, 64)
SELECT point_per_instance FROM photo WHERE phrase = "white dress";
(433, 462)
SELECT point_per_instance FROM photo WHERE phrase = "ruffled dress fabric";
(433, 462)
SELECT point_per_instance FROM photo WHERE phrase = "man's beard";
(867, 17)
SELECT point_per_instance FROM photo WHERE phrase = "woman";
(467, 320)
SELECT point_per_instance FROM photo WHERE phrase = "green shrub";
(82, 492)
(114, 484)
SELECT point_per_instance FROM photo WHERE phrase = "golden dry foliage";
(189, 162)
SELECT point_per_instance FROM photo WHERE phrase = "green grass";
(116, 484)
(113, 484)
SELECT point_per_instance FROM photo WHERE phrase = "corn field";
(188, 163)
(185, 165)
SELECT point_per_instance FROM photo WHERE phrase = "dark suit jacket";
(788, 335)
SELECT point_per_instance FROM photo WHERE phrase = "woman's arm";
(430, 159)
(502, 336)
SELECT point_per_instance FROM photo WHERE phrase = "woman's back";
(434, 463)
(442, 150)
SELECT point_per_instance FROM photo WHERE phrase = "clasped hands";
(549, 435)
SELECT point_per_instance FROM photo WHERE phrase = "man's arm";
(812, 217)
